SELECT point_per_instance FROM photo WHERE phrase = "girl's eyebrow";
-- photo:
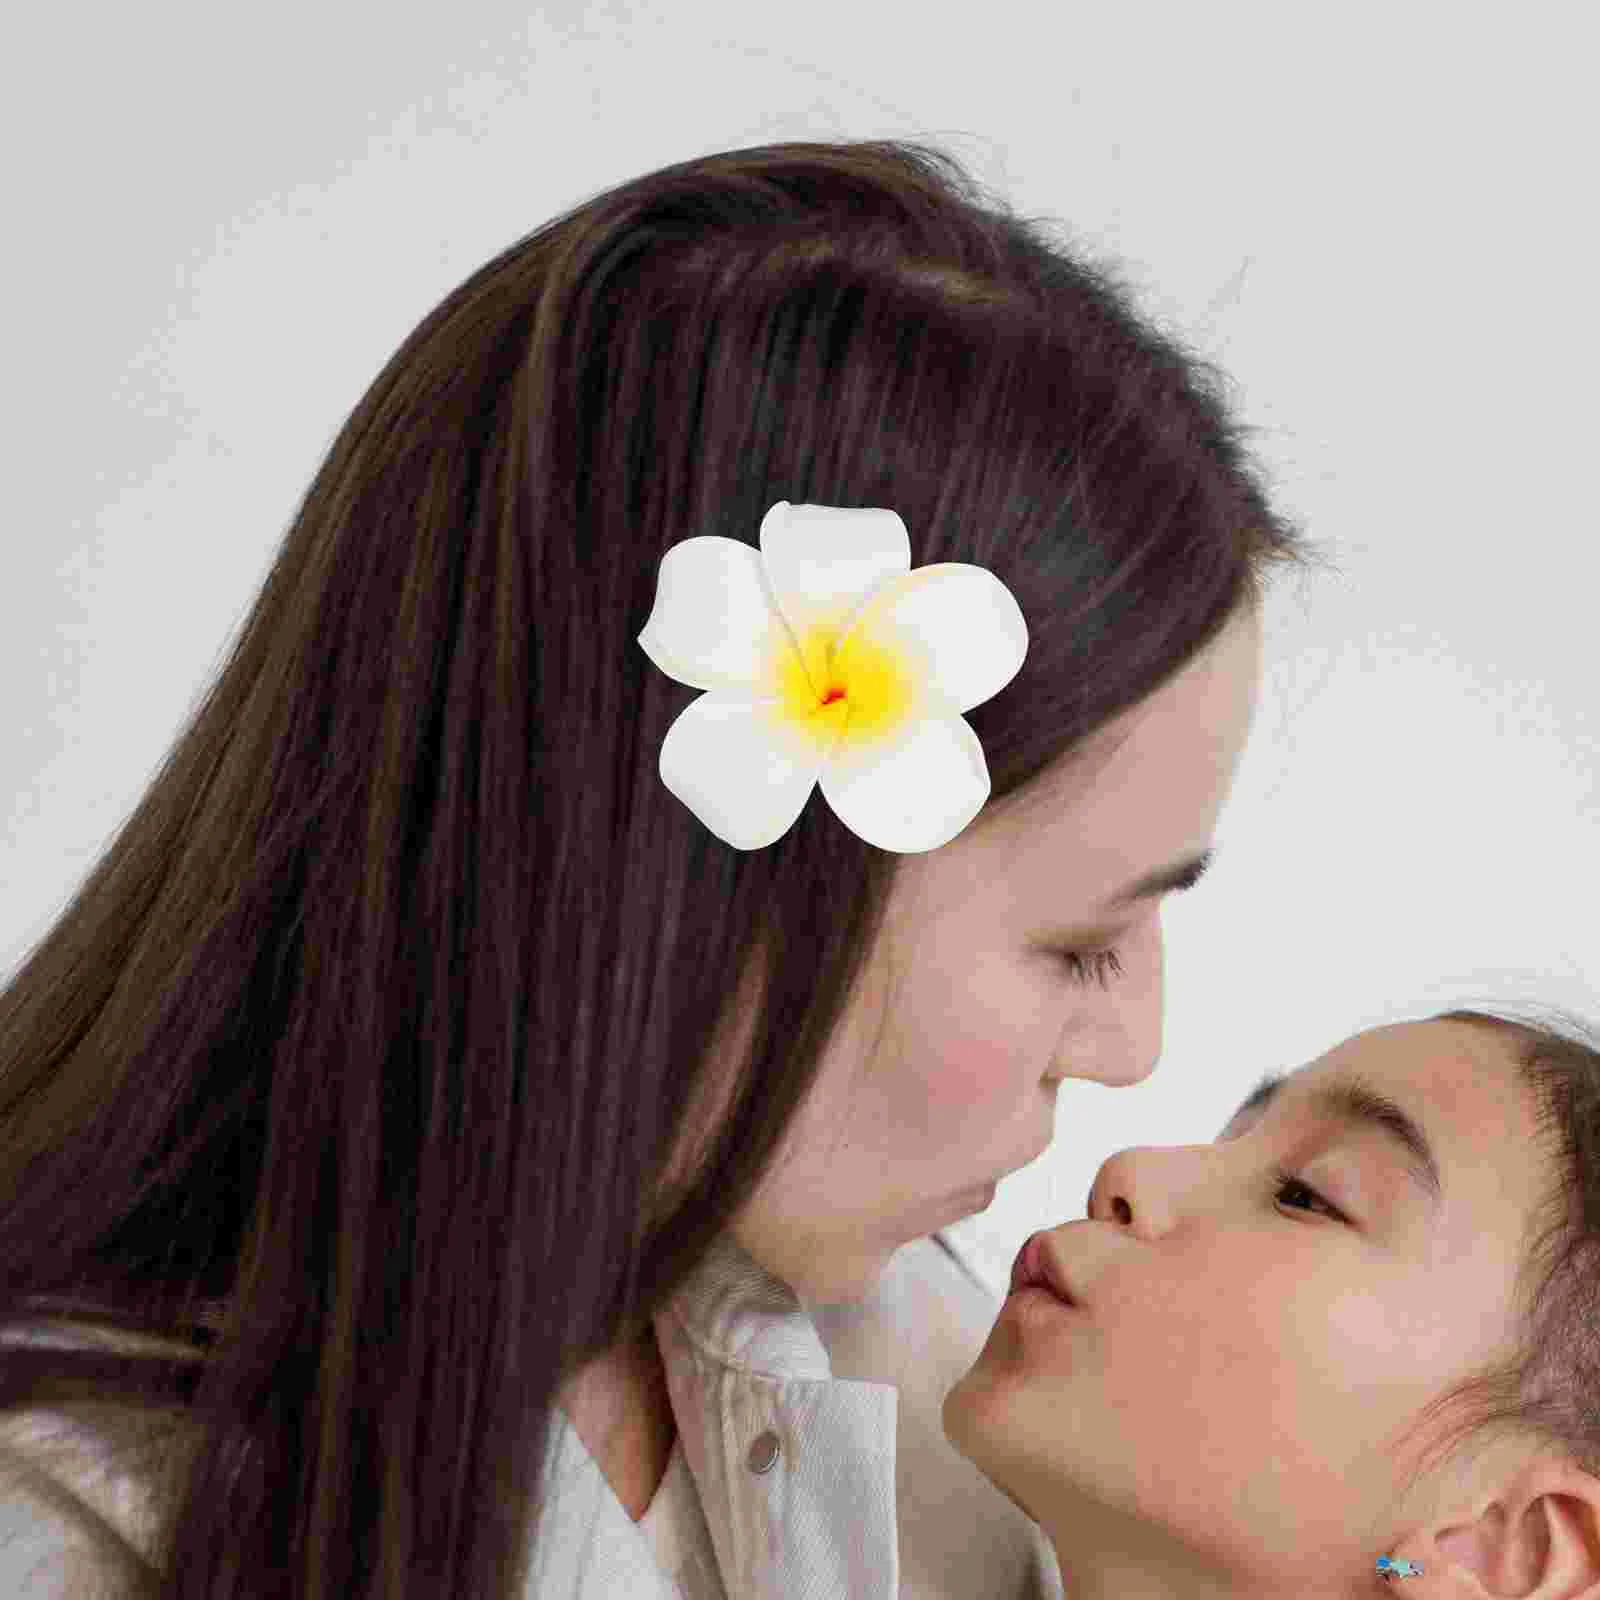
(1356, 1101)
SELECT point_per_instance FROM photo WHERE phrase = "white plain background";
(1380, 218)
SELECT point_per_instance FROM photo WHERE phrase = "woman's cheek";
(979, 1034)
(971, 1073)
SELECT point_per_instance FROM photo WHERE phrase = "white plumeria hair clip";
(827, 660)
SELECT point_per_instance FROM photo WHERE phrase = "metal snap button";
(763, 1452)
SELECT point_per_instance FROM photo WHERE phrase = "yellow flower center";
(844, 697)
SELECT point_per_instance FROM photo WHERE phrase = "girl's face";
(1220, 1412)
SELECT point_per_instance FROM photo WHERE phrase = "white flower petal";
(712, 625)
(738, 769)
(826, 659)
(825, 562)
(967, 624)
(920, 794)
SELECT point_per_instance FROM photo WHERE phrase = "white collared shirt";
(810, 1459)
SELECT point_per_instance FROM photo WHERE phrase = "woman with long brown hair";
(434, 1159)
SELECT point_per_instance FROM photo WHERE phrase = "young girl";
(1254, 1327)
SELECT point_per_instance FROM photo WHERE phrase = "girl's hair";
(1544, 1390)
(355, 1074)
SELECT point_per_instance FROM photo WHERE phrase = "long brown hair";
(353, 1071)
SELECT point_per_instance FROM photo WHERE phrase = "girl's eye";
(1284, 1182)
(1093, 965)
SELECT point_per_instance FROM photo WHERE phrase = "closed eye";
(1089, 966)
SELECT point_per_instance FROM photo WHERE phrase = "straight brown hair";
(354, 1071)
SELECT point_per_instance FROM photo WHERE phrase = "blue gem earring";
(1391, 1568)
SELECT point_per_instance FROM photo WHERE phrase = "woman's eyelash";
(1093, 965)
(1283, 1180)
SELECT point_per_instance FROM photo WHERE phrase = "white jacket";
(810, 1462)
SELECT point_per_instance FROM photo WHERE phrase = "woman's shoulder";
(67, 1528)
(78, 1483)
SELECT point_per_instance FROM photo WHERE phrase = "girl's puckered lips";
(1036, 1266)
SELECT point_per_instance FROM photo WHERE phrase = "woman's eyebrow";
(1356, 1101)
(1171, 879)
(1174, 878)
